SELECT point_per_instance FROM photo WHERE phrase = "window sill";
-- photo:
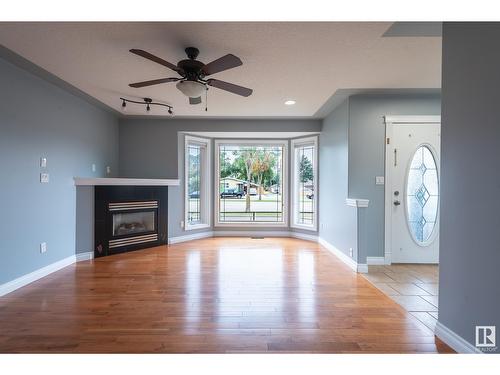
(196, 226)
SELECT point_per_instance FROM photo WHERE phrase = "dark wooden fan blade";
(221, 64)
(153, 82)
(156, 59)
(235, 89)
(195, 100)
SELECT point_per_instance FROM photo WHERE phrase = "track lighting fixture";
(148, 102)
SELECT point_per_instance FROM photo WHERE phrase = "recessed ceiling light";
(290, 102)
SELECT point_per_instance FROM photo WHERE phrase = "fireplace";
(129, 218)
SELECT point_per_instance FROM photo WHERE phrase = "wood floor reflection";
(218, 295)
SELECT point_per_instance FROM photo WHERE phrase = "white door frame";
(390, 121)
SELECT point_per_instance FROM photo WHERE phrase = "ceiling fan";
(192, 82)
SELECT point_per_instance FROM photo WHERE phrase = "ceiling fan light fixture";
(191, 89)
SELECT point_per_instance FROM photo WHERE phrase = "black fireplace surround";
(129, 218)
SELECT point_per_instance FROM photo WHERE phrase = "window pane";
(304, 182)
(250, 183)
(422, 194)
(194, 154)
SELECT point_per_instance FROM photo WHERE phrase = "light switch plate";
(43, 247)
(44, 178)
(43, 162)
(93, 168)
(108, 169)
(379, 180)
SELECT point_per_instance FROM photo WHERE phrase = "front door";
(414, 192)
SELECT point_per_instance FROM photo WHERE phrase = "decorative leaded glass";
(194, 183)
(422, 194)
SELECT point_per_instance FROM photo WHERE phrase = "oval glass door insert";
(422, 195)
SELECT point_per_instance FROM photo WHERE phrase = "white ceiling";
(307, 62)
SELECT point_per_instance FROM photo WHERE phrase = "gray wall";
(149, 147)
(367, 156)
(153, 148)
(337, 221)
(470, 181)
(39, 119)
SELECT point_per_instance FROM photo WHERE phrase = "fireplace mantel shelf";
(87, 181)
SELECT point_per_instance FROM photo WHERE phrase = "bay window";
(304, 183)
(197, 183)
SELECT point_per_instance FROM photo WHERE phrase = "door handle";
(397, 203)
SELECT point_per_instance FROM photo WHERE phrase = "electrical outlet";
(43, 162)
(93, 168)
(379, 180)
(43, 247)
(44, 178)
(351, 252)
(108, 169)
(182, 223)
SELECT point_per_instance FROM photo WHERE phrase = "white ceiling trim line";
(252, 135)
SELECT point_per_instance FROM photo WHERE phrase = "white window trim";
(293, 188)
(205, 185)
(255, 142)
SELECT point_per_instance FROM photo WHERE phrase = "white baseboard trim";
(242, 233)
(190, 237)
(388, 259)
(456, 342)
(84, 256)
(304, 236)
(35, 275)
(375, 261)
(362, 268)
(251, 233)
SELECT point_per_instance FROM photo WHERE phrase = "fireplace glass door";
(131, 223)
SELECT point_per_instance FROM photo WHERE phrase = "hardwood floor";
(218, 295)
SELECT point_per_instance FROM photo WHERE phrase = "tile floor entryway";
(413, 286)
